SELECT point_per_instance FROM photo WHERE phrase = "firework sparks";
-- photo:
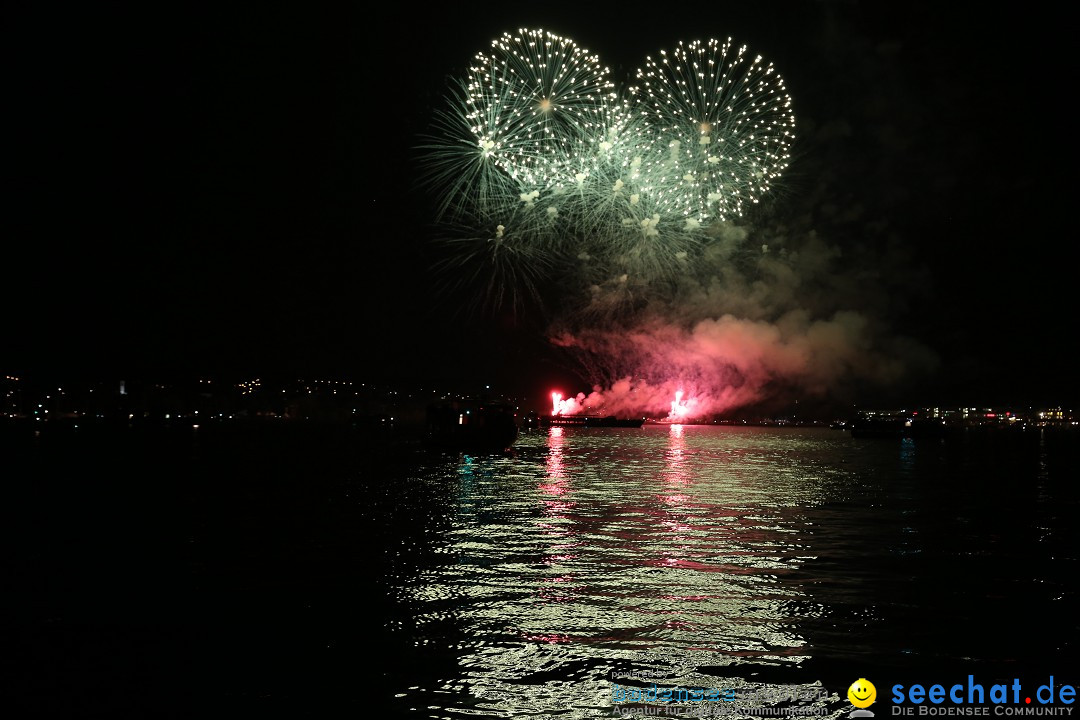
(591, 187)
(723, 128)
(679, 410)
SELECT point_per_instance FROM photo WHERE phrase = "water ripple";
(585, 553)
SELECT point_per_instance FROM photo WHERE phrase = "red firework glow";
(630, 399)
(679, 410)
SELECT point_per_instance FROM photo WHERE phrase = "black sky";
(233, 191)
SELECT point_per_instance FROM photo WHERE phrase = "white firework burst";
(532, 98)
(723, 127)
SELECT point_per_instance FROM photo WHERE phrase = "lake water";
(325, 571)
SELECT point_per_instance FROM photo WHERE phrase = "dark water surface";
(326, 572)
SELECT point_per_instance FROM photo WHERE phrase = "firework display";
(723, 124)
(543, 168)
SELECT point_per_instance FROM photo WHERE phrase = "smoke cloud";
(768, 315)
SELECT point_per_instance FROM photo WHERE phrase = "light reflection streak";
(597, 552)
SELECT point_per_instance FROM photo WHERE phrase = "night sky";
(196, 191)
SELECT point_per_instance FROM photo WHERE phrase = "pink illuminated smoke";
(740, 328)
(568, 406)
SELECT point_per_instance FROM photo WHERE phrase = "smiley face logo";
(862, 693)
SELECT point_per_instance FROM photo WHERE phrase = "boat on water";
(564, 413)
(896, 425)
(584, 421)
(877, 427)
(471, 425)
